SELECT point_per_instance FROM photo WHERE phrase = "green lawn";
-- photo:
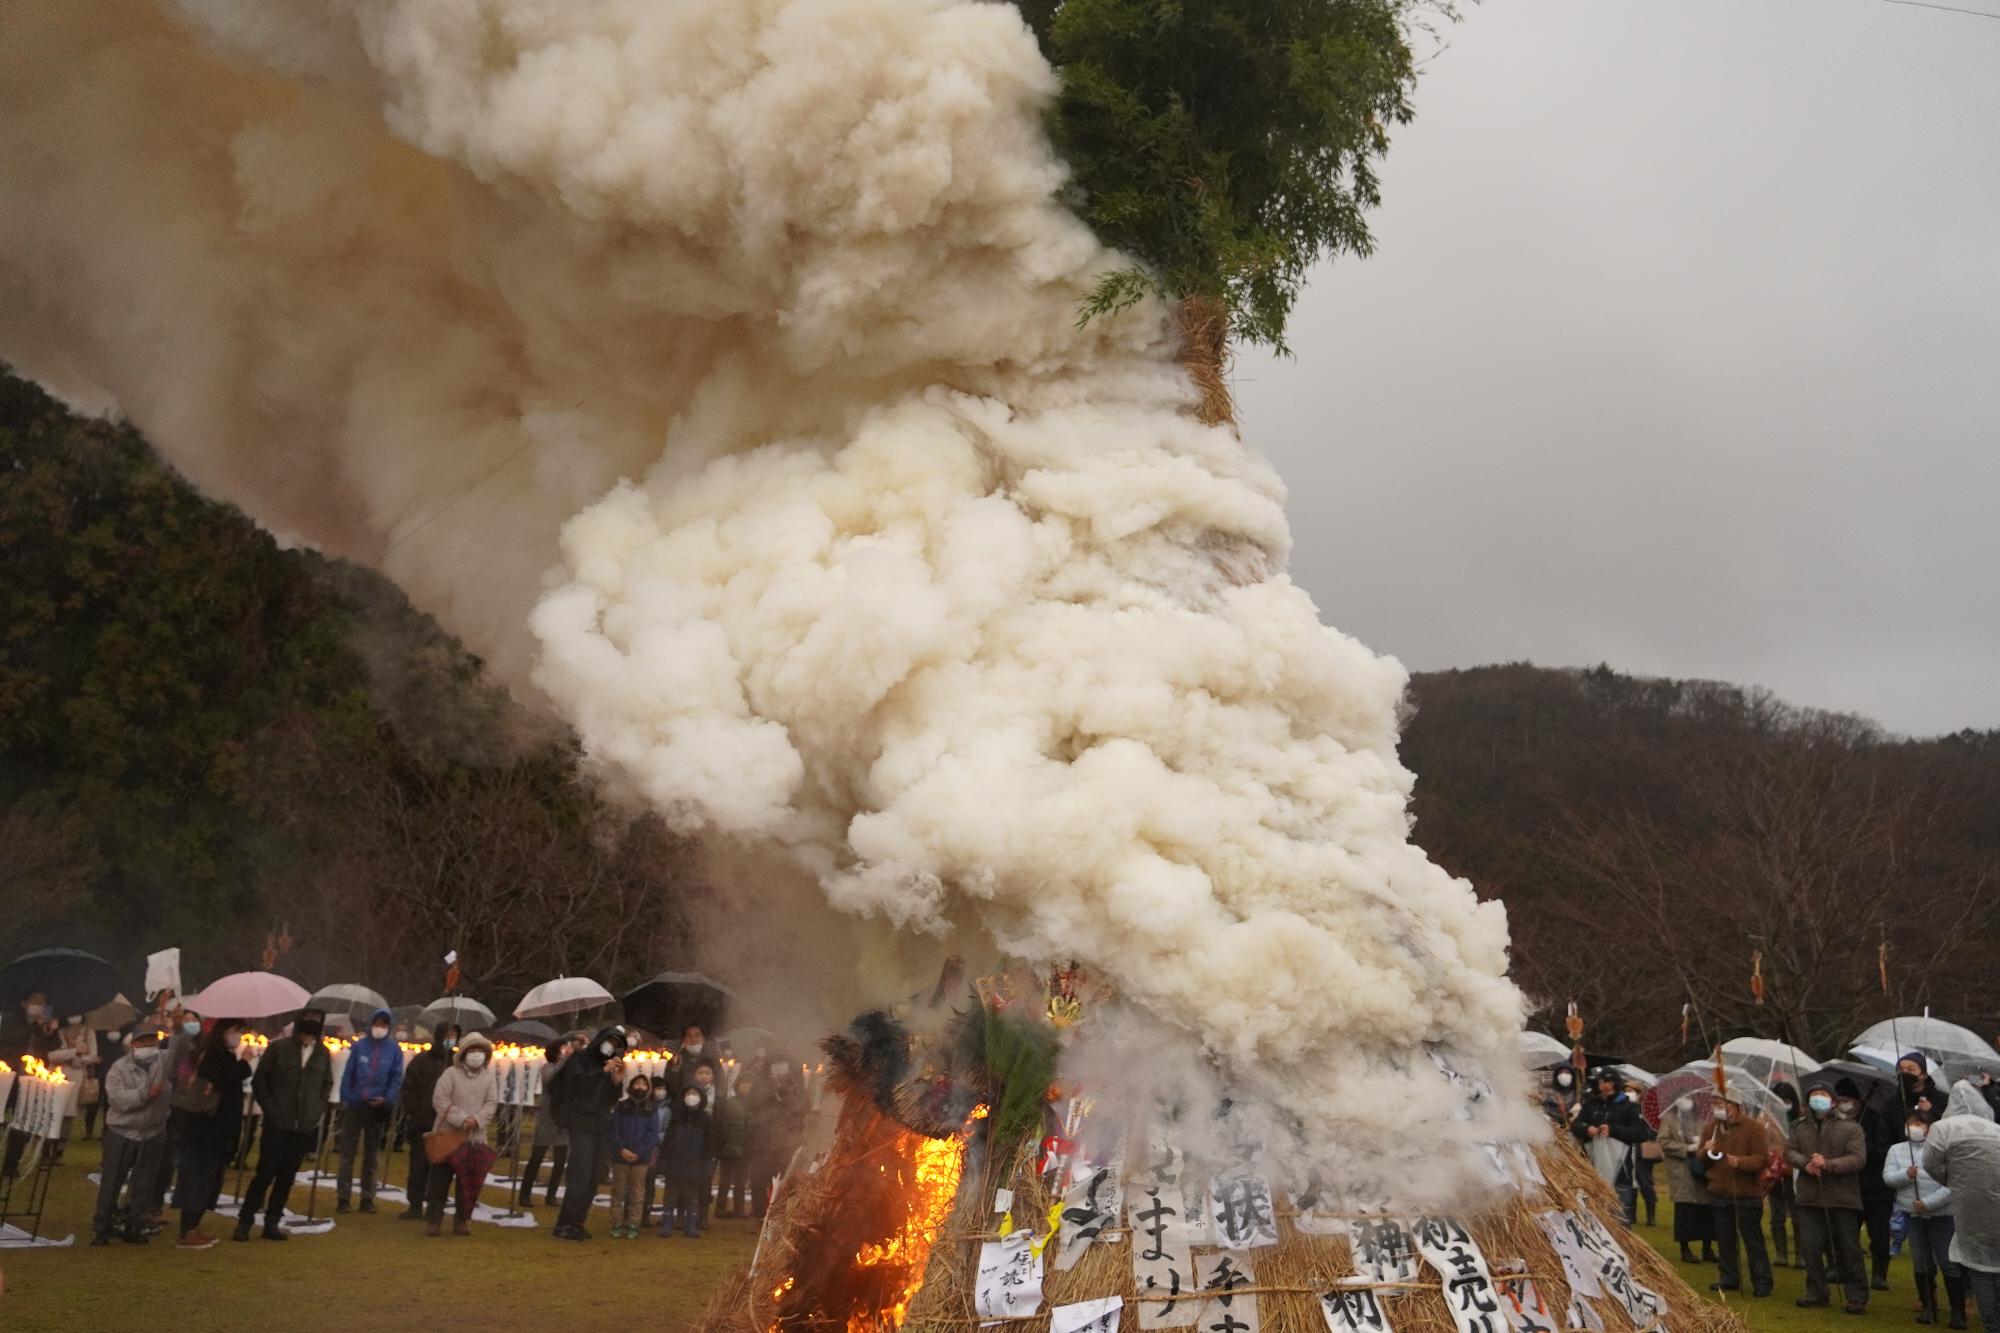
(370, 1272)
(1894, 1308)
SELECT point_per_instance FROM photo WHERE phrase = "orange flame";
(933, 1188)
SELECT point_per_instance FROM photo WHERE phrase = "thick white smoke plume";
(732, 347)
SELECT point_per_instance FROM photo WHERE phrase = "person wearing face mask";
(551, 1139)
(1962, 1152)
(776, 1111)
(1694, 1206)
(293, 1078)
(1783, 1196)
(1928, 1206)
(420, 1080)
(135, 1126)
(693, 1054)
(369, 1087)
(206, 1118)
(635, 1138)
(1736, 1152)
(586, 1088)
(1562, 1101)
(465, 1098)
(1921, 1094)
(684, 1157)
(1829, 1151)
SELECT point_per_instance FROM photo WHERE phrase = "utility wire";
(1948, 9)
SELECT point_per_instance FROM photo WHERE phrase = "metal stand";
(514, 1208)
(39, 1174)
(319, 1165)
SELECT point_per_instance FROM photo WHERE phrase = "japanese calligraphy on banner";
(1226, 1274)
(1577, 1269)
(1314, 1211)
(1353, 1310)
(1525, 1309)
(1167, 1171)
(1088, 1316)
(1471, 1091)
(1468, 1287)
(1240, 1213)
(1090, 1205)
(1614, 1269)
(1162, 1259)
(1382, 1250)
(1010, 1277)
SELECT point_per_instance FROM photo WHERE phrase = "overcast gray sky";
(1680, 350)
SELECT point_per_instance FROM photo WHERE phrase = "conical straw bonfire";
(968, 1186)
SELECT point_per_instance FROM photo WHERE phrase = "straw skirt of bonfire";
(887, 1233)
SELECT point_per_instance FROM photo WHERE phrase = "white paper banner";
(1526, 1311)
(1162, 1260)
(1089, 1206)
(1577, 1270)
(1382, 1249)
(1353, 1310)
(1010, 1277)
(1240, 1213)
(163, 972)
(1468, 1285)
(1088, 1316)
(1614, 1270)
(1225, 1312)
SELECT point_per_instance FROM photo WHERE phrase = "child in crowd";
(634, 1140)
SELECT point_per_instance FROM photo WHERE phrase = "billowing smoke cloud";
(732, 350)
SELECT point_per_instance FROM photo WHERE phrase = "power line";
(1948, 9)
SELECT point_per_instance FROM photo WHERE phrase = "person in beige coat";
(466, 1096)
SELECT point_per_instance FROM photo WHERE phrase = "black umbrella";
(75, 982)
(523, 1032)
(1878, 1090)
(672, 1000)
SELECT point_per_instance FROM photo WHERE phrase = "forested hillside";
(208, 741)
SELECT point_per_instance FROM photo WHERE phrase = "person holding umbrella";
(1735, 1151)
(291, 1086)
(1828, 1150)
(462, 1102)
(206, 1117)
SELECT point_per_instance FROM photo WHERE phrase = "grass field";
(370, 1272)
(379, 1273)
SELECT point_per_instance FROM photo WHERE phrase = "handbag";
(440, 1144)
(1650, 1151)
(1775, 1171)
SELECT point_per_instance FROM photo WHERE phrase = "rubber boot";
(1780, 1252)
(1955, 1291)
(461, 1225)
(1926, 1298)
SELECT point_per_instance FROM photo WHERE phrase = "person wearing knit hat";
(1920, 1091)
(1828, 1150)
(1736, 1152)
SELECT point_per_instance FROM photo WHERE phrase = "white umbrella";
(1876, 1056)
(1539, 1048)
(564, 995)
(350, 998)
(1769, 1059)
(248, 995)
(1634, 1074)
(467, 1013)
(1936, 1038)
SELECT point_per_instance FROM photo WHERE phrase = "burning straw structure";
(941, 1176)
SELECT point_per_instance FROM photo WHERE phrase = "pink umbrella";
(248, 995)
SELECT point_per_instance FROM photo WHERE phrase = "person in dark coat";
(684, 1157)
(205, 1138)
(732, 1129)
(587, 1086)
(776, 1112)
(1784, 1195)
(1828, 1150)
(1610, 1128)
(1878, 1201)
(420, 1080)
(1921, 1094)
(291, 1086)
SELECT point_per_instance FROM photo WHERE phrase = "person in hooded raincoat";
(1962, 1153)
(465, 1099)
(369, 1086)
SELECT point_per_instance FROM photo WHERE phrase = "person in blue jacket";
(369, 1087)
(635, 1134)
